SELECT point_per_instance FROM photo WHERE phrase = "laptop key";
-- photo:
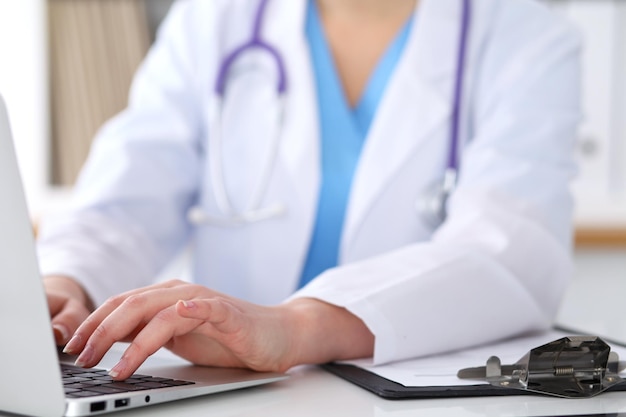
(103, 378)
(71, 390)
(132, 380)
(156, 379)
(93, 382)
(107, 390)
(125, 386)
(74, 379)
(80, 386)
(177, 383)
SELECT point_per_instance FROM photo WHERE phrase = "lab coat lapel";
(282, 247)
(299, 150)
(414, 109)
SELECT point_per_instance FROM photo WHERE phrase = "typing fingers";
(120, 318)
(169, 323)
(90, 325)
(165, 325)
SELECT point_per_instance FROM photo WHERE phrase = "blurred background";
(89, 49)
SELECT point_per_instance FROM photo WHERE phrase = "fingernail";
(72, 344)
(188, 304)
(118, 368)
(85, 357)
(61, 333)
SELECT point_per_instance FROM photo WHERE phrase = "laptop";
(29, 359)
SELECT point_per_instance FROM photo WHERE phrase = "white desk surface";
(311, 391)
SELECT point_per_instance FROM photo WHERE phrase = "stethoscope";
(431, 205)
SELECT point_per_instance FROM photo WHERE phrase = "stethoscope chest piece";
(431, 205)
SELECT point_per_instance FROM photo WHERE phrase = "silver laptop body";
(28, 357)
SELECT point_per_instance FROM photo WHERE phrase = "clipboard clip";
(571, 367)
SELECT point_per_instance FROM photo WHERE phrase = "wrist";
(323, 332)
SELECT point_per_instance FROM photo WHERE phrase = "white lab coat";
(497, 266)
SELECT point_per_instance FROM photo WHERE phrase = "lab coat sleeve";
(500, 263)
(128, 213)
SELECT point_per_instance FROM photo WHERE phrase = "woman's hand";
(69, 306)
(209, 328)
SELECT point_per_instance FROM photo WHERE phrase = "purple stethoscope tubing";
(453, 159)
(230, 215)
(432, 207)
(255, 42)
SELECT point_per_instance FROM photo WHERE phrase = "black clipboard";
(392, 390)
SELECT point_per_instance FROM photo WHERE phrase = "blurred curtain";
(95, 47)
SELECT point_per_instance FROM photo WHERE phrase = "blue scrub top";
(343, 131)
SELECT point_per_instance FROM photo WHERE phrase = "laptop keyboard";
(81, 382)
